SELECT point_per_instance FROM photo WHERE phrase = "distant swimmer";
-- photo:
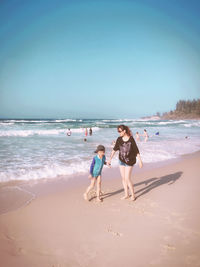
(69, 132)
(186, 137)
(90, 131)
(137, 136)
(157, 133)
(85, 139)
(86, 131)
(146, 137)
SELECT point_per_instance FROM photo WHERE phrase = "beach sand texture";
(160, 228)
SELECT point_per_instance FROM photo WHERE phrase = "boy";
(95, 172)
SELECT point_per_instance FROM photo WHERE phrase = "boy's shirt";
(97, 166)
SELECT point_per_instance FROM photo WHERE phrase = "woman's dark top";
(128, 150)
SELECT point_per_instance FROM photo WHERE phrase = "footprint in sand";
(10, 238)
(167, 238)
(146, 207)
(141, 209)
(192, 260)
(21, 251)
(115, 210)
(110, 230)
(169, 247)
(154, 204)
(16, 250)
(84, 255)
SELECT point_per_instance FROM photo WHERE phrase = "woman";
(128, 151)
(146, 137)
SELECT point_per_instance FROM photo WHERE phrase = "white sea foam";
(81, 130)
(26, 121)
(120, 120)
(51, 171)
(48, 153)
(193, 124)
(64, 120)
(39, 121)
(170, 122)
(48, 171)
(6, 123)
(73, 162)
(25, 133)
(101, 123)
(152, 118)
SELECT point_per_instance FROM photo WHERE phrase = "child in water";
(95, 172)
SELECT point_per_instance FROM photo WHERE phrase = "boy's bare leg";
(98, 188)
(90, 187)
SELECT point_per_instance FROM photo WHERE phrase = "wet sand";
(58, 228)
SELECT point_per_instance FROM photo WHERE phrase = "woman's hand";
(111, 156)
(140, 164)
(90, 176)
(108, 164)
(140, 161)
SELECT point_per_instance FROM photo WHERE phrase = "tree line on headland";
(185, 109)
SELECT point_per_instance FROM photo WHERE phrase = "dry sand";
(160, 228)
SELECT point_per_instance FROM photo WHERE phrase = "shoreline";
(15, 195)
(160, 228)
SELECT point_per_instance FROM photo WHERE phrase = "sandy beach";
(79, 81)
(160, 228)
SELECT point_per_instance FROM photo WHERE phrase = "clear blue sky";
(97, 59)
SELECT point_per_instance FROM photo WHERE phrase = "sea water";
(38, 149)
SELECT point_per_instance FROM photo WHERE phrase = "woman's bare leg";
(122, 171)
(128, 172)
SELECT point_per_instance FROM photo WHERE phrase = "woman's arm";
(115, 148)
(140, 161)
(111, 156)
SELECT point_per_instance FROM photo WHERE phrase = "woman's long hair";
(125, 128)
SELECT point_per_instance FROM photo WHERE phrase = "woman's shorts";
(123, 164)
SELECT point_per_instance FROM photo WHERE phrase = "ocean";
(40, 149)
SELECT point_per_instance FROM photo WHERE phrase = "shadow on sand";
(156, 182)
(113, 193)
(150, 184)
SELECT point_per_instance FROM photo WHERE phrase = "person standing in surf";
(68, 132)
(128, 151)
(146, 137)
(137, 136)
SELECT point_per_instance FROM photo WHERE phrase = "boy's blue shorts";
(96, 176)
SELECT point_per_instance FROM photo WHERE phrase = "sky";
(97, 59)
